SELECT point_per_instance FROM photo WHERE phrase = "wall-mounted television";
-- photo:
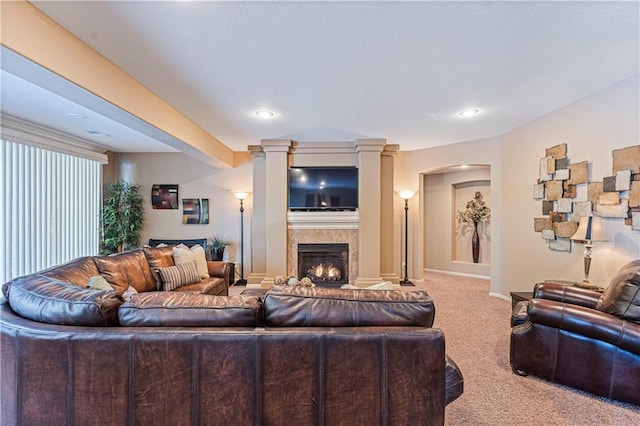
(323, 188)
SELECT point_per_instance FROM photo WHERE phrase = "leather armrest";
(219, 269)
(566, 293)
(454, 382)
(519, 313)
(587, 322)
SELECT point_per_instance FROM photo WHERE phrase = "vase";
(475, 243)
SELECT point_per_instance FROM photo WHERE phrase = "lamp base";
(241, 282)
(406, 282)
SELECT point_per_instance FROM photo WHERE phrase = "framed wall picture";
(164, 197)
(195, 211)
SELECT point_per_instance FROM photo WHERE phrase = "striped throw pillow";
(179, 275)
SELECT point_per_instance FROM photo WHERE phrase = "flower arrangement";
(475, 211)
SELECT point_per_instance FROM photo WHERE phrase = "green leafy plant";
(218, 242)
(475, 211)
(122, 217)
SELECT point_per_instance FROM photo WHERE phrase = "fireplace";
(327, 265)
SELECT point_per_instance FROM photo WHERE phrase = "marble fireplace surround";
(300, 233)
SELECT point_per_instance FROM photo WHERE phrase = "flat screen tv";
(323, 188)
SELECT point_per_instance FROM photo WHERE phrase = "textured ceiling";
(339, 70)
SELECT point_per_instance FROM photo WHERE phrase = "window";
(49, 207)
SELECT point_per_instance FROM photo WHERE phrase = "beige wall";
(195, 179)
(592, 127)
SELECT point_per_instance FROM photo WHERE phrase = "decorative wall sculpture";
(556, 189)
(619, 195)
(616, 196)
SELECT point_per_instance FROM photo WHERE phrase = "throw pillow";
(98, 283)
(182, 254)
(179, 275)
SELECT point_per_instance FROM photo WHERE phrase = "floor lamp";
(241, 195)
(406, 196)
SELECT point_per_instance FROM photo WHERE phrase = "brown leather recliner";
(582, 338)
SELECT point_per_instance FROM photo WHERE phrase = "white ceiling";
(339, 70)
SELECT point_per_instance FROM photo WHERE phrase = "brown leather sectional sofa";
(295, 356)
(582, 338)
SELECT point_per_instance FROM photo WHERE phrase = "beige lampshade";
(589, 230)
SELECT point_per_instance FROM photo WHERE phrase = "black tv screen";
(323, 188)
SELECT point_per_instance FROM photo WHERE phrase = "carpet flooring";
(477, 330)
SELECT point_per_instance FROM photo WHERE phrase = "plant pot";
(217, 254)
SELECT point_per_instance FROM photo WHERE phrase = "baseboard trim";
(460, 274)
(500, 296)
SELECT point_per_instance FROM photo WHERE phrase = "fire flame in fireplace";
(328, 272)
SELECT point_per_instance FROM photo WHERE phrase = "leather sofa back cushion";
(324, 307)
(622, 296)
(44, 299)
(170, 309)
(77, 271)
(158, 257)
(127, 269)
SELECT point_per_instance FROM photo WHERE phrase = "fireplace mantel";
(323, 220)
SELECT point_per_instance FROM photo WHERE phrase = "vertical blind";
(49, 208)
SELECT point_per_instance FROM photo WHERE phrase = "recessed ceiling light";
(464, 166)
(264, 114)
(76, 115)
(469, 112)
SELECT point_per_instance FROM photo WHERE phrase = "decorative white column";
(369, 203)
(388, 229)
(258, 217)
(276, 151)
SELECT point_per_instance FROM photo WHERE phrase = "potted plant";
(122, 217)
(217, 243)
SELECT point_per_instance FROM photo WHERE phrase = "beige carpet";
(477, 329)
